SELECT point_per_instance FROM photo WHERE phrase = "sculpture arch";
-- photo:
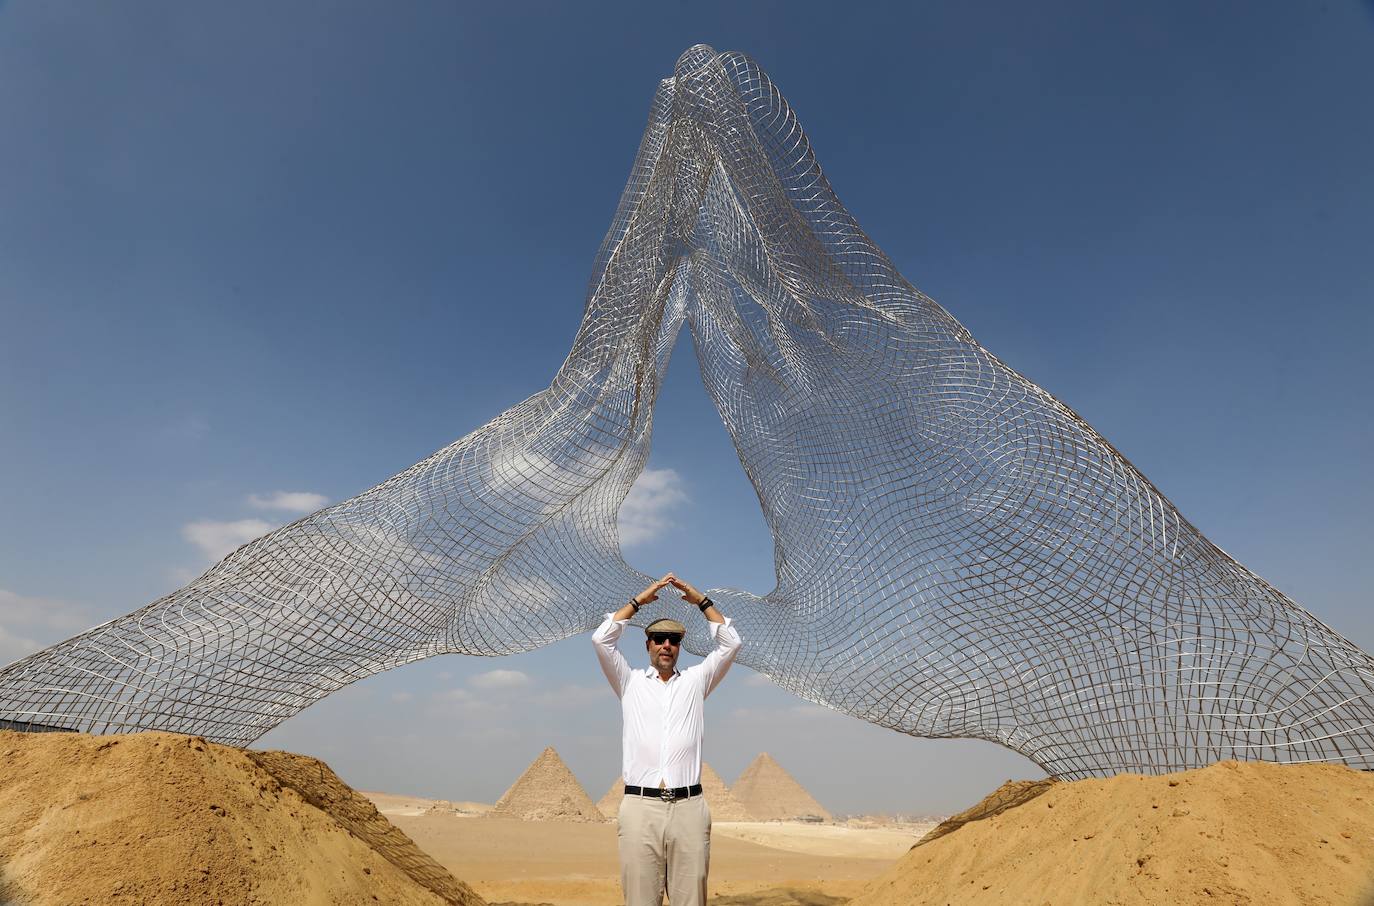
(1040, 591)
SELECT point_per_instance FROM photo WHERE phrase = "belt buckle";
(666, 794)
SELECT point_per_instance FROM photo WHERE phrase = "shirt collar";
(652, 674)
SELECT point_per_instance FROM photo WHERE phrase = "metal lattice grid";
(1021, 581)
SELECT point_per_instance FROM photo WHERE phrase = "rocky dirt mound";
(169, 819)
(771, 794)
(1251, 834)
(1008, 795)
(322, 788)
(547, 791)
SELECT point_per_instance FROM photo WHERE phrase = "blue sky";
(250, 249)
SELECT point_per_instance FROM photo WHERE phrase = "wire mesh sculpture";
(1020, 581)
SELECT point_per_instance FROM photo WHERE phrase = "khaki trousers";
(664, 846)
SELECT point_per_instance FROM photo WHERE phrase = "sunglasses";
(659, 638)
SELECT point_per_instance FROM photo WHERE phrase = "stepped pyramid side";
(547, 791)
(724, 806)
(772, 794)
(610, 803)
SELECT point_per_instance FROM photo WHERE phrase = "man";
(665, 826)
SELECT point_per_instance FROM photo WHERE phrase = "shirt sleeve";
(613, 663)
(728, 644)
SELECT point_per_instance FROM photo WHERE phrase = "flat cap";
(665, 625)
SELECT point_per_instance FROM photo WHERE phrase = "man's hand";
(644, 597)
(651, 593)
(689, 593)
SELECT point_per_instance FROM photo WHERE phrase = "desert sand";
(514, 853)
(399, 804)
(158, 818)
(167, 819)
(1252, 834)
(575, 864)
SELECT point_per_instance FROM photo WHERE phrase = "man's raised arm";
(728, 641)
(607, 636)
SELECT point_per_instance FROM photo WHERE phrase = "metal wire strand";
(957, 552)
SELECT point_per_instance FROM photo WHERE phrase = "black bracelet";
(635, 604)
(705, 603)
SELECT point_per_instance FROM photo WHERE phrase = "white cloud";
(463, 703)
(217, 539)
(49, 613)
(496, 695)
(501, 679)
(13, 647)
(533, 590)
(788, 714)
(401, 698)
(182, 575)
(382, 543)
(564, 698)
(288, 501)
(28, 624)
(644, 514)
(533, 475)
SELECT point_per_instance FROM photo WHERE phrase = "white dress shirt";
(663, 721)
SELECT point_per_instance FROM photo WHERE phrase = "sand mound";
(547, 791)
(322, 788)
(1008, 795)
(1245, 834)
(169, 819)
(723, 804)
(769, 793)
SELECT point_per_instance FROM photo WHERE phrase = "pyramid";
(610, 803)
(723, 804)
(771, 794)
(547, 791)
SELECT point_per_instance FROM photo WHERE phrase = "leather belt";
(667, 795)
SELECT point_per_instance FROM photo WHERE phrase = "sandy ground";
(1252, 834)
(827, 839)
(392, 804)
(158, 818)
(568, 864)
(174, 820)
(1240, 834)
